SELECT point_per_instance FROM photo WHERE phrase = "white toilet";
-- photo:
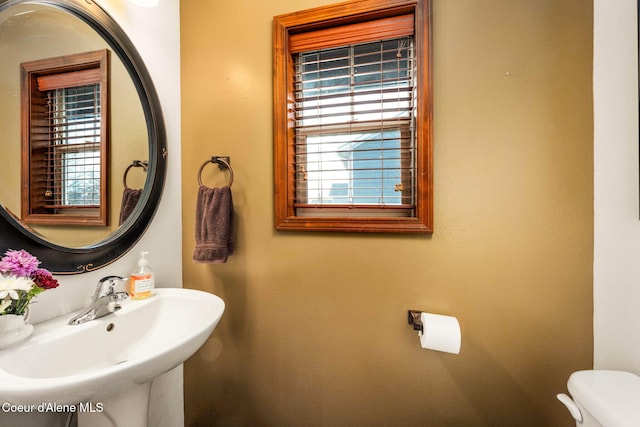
(603, 398)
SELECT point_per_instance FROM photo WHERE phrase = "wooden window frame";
(330, 22)
(52, 73)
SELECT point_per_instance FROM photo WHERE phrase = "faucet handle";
(111, 279)
(106, 286)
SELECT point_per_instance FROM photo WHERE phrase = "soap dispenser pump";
(142, 283)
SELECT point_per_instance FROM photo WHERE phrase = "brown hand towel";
(130, 199)
(214, 225)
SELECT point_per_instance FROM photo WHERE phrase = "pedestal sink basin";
(69, 364)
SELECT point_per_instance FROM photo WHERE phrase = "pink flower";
(19, 263)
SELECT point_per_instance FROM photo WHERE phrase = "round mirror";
(135, 157)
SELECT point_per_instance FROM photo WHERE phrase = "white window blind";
(72, 151)
(354, 127)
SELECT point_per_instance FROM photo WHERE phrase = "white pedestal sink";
(111, 360)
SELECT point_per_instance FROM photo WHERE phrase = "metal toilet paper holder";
(414, 317)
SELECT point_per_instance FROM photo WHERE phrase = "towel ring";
(223, 163)
(136, 163)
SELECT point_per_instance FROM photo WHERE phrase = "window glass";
(351, 103)
(75, 124)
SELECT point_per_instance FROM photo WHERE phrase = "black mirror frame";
(63, 260)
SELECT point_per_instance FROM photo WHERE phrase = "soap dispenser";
(141, 284)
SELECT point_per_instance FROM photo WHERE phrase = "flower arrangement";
(21, 280)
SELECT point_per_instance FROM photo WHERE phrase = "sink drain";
(110, 327)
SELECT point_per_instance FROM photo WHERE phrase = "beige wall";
(315, 330)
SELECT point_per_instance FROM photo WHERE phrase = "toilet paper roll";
(441, 333)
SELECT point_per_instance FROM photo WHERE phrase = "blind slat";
(348, 146)
(326, 97)
(310, 67)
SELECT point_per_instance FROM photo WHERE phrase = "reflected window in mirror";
(65, 121)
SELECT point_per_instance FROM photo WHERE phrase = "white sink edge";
(111, 379)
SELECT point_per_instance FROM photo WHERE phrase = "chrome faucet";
(105, 301)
